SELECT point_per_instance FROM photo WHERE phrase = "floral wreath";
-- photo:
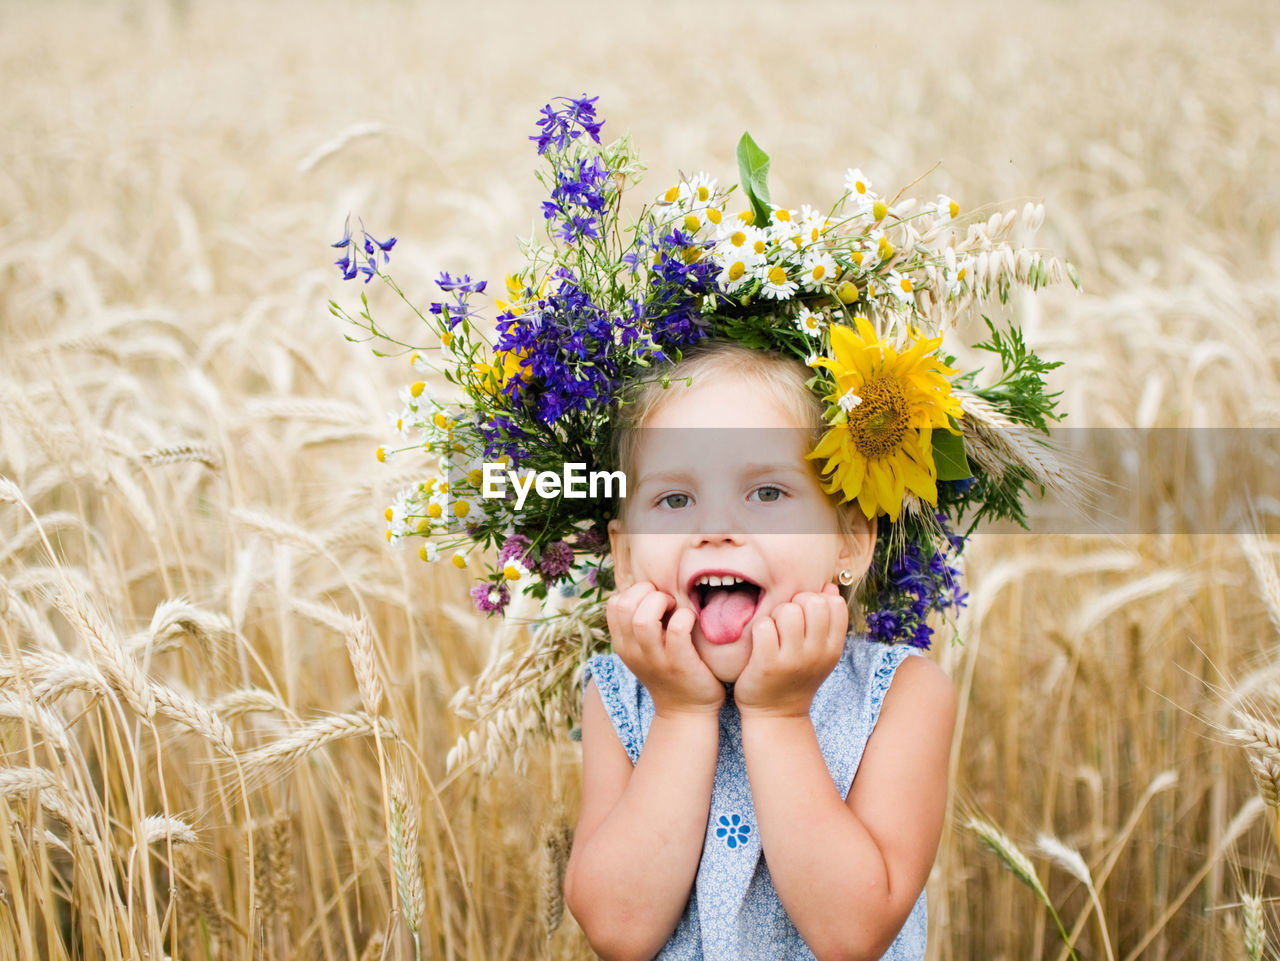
(860, 291)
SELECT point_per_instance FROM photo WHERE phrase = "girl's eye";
(767, 495)
(674, 501)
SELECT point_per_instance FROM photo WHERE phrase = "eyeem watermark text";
(574, 482)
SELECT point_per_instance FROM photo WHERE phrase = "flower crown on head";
(860, 291)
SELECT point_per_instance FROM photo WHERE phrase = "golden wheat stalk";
(162, 828)
(359, 640)
(995, 442)
(22, 782)
(271, 759)
(182, 453)
(555, 845)
(1073, 863)
(405, 859)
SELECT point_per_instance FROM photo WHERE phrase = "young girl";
(757, 782)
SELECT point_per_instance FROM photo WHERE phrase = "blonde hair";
(786, 377)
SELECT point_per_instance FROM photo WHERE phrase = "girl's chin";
(726, 661)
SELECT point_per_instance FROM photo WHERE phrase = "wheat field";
(225, 703)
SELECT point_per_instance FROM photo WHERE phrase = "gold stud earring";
(847, 577)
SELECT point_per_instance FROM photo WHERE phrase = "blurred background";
(224, 703)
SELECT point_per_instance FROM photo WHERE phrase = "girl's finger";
(620, 612)
(789, 619)
(680, 628)
(765, 643)
(647, 620)
(817, 619)
(838, 620)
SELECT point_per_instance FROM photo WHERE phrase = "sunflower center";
(880, 421)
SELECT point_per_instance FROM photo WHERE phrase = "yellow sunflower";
(881, 444)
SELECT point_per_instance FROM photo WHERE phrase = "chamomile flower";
(740, 252)
(944, 208)
(784, 228)
(694, 204)
(900, 286)
(399, 514)
(818, 269)
(859, 189)
(402, 421)
(810, 322)
(956, 274)
(775, 283)
(813, 225)
(438, 507)
(467, 511)
(515, 570)
(429, 552)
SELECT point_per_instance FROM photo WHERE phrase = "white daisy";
(859, 188)
(813, 225)
(944, 208)
(694, 204)
(739, 252)
(809, 322)
(900, 286)
(399, 514)
(784, 228)
(466, 510)
(956, 276)
(775, 283)
(818, 269)
(515, 570)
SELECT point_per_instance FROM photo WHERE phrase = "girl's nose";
(718, 522)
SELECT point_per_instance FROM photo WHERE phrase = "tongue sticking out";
(725, 613)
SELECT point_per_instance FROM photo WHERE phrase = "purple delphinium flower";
(556, 559)
(565, 124)
(678, 283)
(362, 257)
(461, 288)
(490, 598)
(569, 350)
(912, 586)
(578, 201)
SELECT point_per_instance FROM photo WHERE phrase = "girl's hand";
(792, 653)
(657, 645)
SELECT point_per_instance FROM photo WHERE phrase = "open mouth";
(726, 602)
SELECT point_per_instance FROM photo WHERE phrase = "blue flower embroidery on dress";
(733, 830)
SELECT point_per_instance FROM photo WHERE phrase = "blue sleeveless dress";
(734, 913)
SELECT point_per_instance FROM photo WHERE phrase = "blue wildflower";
(462, 288)
(578, 201)
(909, 586)
(563, 125)
(361, 258)
(567, 343)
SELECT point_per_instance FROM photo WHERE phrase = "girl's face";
(730, 519)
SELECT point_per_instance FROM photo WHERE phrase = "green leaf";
(949, 456)
(753, 171)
